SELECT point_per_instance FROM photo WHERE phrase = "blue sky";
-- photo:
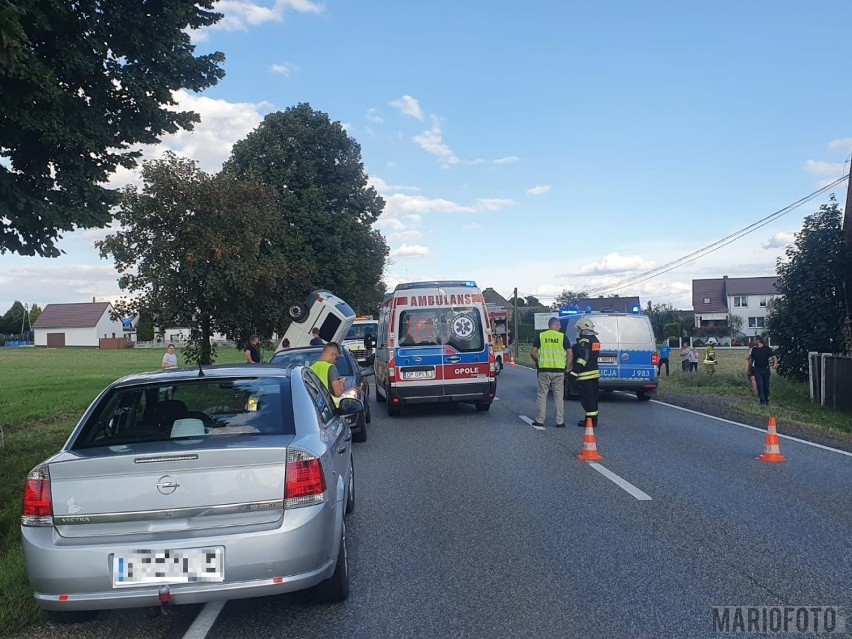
(544, 145)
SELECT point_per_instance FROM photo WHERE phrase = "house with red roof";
(82, 324)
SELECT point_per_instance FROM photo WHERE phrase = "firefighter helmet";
(586, 325)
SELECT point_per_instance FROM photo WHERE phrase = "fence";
(830, 378)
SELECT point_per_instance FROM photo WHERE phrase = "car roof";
(217, 371)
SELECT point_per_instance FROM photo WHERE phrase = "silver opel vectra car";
(189, 486)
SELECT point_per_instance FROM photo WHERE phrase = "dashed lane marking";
(622, 483)
(205, 620)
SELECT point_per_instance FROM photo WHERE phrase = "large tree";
(809, 316)
(81, 83)
(566, 297)
(202, 250)
(324, 203)
(661, 315)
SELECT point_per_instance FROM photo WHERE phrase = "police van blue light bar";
(635, 309)
(569, 310)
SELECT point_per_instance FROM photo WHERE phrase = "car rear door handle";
(341, 451)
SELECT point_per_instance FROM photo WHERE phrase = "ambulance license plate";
(418, 374)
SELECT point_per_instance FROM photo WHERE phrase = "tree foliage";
(81, 83)
(521, 302)
(661, 315)
(202, 251)
(13, 319)
(566, 297)
(532, 300)
(323, 201)
(735, 324)
(809, 316)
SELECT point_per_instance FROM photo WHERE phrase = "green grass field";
(43, 392)
(790, 400)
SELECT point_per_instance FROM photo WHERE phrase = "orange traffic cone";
(772, 449)
(511, 361)
(590, 448)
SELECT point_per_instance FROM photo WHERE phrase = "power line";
(715, 246)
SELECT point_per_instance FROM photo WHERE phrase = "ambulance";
(434, 345)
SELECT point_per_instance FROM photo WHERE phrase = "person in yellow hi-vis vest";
(552, 358)
(710, 357)
(327, 372)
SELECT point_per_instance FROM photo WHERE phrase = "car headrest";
(187, 427)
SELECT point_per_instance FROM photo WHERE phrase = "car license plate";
(606, 360)
(418, 374)
(187, 565)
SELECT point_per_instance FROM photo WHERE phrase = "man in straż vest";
(585, 369)
(327, 372)
(550, 354)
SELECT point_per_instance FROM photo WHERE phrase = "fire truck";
(499, 318)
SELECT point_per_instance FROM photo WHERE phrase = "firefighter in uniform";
(585, 369)
(710, 357)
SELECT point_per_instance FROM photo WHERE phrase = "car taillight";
(37, 509)
(655, 359)
(492, 361)
(305, 480)
(391, 368)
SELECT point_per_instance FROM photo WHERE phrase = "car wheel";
(483, 406)
(499, 366)
(336, 587)
(350, 491)
(361, 435)
(394, 410)
(297, 312)
(369, 417)
(569, 392)
(380, 399)
(642, 396)
(71, 616)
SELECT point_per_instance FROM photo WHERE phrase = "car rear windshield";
(306, 358)
(459, 327)
(207, 407)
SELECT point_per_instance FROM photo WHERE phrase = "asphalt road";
(477, 525)
(473, 524)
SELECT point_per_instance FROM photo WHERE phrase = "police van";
(322, 310)
(434, 345)
(628, 354)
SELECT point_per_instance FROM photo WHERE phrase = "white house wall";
(73, 336)
(107, 328)
(754, 309)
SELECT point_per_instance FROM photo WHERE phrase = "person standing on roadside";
(693, 360)
(551, 356)
(170, 358)
(585, 369)
(684, 358)
(252, 351)
(316, 340)
(665, 351)
(760, 358)
(710, 357)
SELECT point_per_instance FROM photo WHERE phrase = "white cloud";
(614, 264)
(401, 204)
(408, 106)
(346, 126)
(391, 165)
(509, 159)
(373, 116)
(284, 69)
(58, 282)
(222, 124)
(824, 168)
(843, 144)
(538, 190)
(409, 251)
(779, 240)
(493, 204)
(432, 142)
(473, 226)
(241, 14)
(404, 236)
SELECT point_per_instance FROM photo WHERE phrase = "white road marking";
(760, 430)
(530, 422)
(623, 483)
(205, 620)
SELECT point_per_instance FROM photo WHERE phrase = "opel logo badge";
(167, 485)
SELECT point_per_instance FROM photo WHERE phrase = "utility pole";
(847, 275)
(515, 321)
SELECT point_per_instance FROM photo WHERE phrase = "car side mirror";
(349, 406)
